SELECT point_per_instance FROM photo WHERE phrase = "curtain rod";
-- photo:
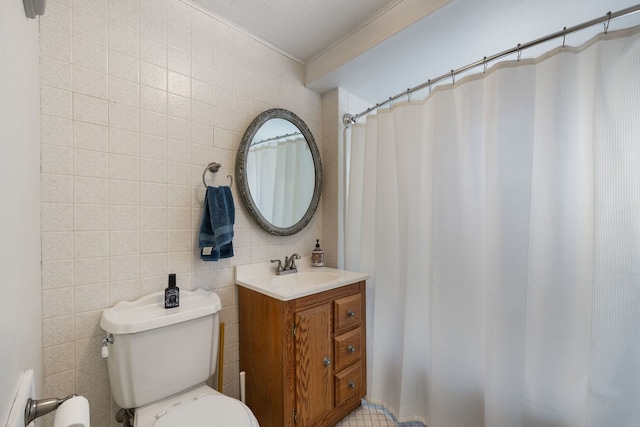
(349, 119)
(275, 138)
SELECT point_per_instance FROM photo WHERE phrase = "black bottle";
(172, 293)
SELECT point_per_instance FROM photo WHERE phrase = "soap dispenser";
(172, 293)
(317, 255)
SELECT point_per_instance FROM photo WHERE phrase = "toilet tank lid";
(148, 312)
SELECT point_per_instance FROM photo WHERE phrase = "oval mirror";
(279, 172)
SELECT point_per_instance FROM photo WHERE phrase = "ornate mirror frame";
(241, 170)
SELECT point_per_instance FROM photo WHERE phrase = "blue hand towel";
(216, 228)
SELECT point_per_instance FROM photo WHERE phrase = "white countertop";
(308, 280)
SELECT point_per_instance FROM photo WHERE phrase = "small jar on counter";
(317, 256)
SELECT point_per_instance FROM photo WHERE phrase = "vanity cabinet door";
(304, 359)
(314, 367)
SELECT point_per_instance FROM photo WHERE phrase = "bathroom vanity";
(302, 344)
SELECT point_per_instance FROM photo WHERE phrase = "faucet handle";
(293, 259)
(279, 267)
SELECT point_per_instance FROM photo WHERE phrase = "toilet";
(160, 359)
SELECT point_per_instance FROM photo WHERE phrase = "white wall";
(336, 103)
(137, 98)
(20, 325)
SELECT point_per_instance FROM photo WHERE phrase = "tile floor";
(365, 417)
(370, 415)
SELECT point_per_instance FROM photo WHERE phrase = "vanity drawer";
(348, 383)
(347, 313)
(347, 349)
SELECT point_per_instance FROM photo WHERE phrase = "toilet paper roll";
(73, 413)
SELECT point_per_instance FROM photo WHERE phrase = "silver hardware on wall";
(38, 408)
(214, 167)
(34, 8)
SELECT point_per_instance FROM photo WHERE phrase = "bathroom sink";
(304, 279)
(261, 277)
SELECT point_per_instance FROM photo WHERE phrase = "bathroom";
(85, 226)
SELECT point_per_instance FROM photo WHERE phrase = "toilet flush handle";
(106, 339)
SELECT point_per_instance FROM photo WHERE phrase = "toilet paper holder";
(37, 408)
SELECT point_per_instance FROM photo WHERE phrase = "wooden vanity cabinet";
(304, 359)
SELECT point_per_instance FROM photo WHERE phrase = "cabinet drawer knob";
(351, 349)
(351, 313)
(352, 384)
(326, 361)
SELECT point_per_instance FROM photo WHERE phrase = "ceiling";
(325, 35)
(301, 28)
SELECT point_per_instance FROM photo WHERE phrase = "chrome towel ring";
(214, 167)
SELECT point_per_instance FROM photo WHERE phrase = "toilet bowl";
(159, 360)
(202, 406)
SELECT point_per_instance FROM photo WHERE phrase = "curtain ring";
(453, 77)
(408, 94)
(390, 102)
(519, 52)
(484, 63)
(564, 36)
(606, 24)
(429, 83)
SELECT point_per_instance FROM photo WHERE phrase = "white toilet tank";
(158, 352)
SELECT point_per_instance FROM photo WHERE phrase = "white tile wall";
(136, 98)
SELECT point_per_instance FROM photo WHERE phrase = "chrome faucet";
(290, 262)
(279, 268)
(289, 265)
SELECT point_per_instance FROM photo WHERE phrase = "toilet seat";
(202, 406)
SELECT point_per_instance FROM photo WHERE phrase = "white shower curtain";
(275, 173)
(499, 221)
